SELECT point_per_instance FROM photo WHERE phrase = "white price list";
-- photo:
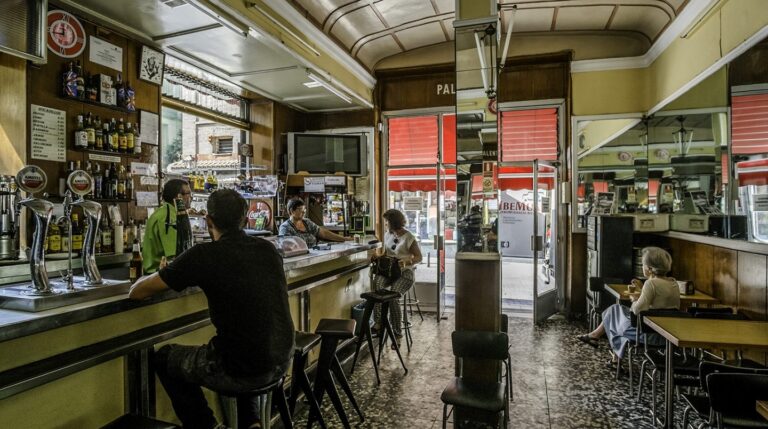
(49, 129)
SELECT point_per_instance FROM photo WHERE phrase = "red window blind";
(449, 139)
(529, 134)
(749, 122)
(419, 179)
(413, 140)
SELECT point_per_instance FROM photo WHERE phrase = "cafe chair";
(698, 403)
(596, 302)
(484, 396)
(733, 396)
(231, 402)
(508, 361)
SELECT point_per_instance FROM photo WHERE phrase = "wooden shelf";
(109, 152)
(58, 198)
(99, 104)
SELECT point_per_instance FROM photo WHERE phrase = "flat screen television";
(327, 154)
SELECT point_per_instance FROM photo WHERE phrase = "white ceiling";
(246, 58)
(371, 30)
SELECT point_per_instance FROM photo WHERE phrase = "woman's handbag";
(386, 266)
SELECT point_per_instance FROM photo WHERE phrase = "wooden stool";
(305, 342)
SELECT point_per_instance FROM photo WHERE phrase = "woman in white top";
(401, 244)
(658, 292)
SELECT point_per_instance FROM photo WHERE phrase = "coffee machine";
(9, 218)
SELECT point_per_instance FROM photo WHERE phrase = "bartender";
(306, 229)
(168, 233)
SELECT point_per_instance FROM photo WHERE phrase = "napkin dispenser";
(686, 287)
(690, 222)
(650, 222)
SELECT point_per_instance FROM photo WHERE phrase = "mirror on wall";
(476, 134)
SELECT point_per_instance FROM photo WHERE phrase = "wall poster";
(48, 133)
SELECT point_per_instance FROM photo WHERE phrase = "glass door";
(445, 245)
(544, 240)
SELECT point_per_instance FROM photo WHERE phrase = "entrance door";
(543, 240)
(446, 211)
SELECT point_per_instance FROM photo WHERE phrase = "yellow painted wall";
(711, 92)
(611, 91)
(13, 114)
(597, 133)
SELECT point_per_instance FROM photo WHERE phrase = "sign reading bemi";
(445, 89)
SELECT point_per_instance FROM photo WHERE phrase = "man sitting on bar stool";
(244, 281)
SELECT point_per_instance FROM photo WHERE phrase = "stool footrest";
(133, 421)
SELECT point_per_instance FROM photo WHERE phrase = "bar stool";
(385, 298)
(411, 299)
(305, 342)
(267, 393)
(406, 324)
(133, 421)
(332, 331)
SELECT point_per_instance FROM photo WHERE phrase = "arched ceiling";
(371, 30)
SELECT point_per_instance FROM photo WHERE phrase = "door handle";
(438, 242)
(537, 243)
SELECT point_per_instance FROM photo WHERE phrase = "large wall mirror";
(703, 158)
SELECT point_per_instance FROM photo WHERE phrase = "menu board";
(48, 133)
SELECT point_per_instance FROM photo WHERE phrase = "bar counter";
(84, 365)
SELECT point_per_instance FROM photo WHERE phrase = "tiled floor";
(558, 382)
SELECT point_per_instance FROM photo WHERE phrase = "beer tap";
(92, 213)
(33, 179)
(69, 277)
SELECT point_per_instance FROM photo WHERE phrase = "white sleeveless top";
(398, 246)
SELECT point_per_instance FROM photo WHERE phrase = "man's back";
(244, 281)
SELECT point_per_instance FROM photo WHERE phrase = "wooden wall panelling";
(345, 119)
(751, 67)
(45, 88)
(285, 120)
(724, 276)
(539, 82)
(576, 285)
(753, 285)
(262, 134)
(702, 274)
(683, 260)
(13, 114)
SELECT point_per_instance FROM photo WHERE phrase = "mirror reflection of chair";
(484, 396)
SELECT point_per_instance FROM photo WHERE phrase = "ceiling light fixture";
(312, 84)
(327, 85)
(220, 17)
(679, 137)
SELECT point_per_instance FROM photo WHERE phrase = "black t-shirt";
(244, 281)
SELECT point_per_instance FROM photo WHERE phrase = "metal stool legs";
(229, 405)
(367, 336)
(410, 302)
(390, 333)
(407, 325)
(300, 381)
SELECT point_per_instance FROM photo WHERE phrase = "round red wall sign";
(66, 36)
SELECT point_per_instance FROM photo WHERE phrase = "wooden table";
(762, 408)
(704, 333)
(620, 292)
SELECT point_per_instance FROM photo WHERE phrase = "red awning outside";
(529, 134)
(749, 124)
(752, 172)
(419, 179)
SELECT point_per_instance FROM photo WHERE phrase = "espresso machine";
(32, 179)
(9, 218)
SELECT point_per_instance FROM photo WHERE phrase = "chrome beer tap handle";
(69, 278)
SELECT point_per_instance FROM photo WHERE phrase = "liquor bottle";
(92, 88)
(130, 97)
(98, 134)
(130, 142)
(115, 139)
(80, 82)
(130, 232)
(89, 170)
(77, 235)
(63, 178)
(122, 138)
(184, 239)
(113, 181)
(136, 139)
(81, 135)
(54, 238)
(136, 269)
(105, 185)
(69, 81)
(106, 238)
(128, 186)
(98, 184)
(121, 183)
(106, 137)
(90, 131)
(120, 89)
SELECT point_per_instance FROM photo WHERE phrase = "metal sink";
(19, 297)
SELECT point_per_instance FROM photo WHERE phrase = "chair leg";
(686, 412)
(630, 350)
(509, 377)
(445, 415)
(416, 299)
(391, 333)
(653, 395)
(278, 395)
(314, 407)
(324, 381)
(368, 337)
(405, 323)
(641, 381)
(338, 373)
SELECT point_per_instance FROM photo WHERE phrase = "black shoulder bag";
(386, 266)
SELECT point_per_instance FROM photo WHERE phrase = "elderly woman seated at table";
(658, 292)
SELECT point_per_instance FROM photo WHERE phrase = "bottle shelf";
(59, 198)
(109, 152)
(99, 104)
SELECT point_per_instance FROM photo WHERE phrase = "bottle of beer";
(54, 238)
(115, 138)
(128, 184)
(129, 139)
(77, 235)
(90, 131)
(81, 135)
(98, 186)
(106, 237)
(184, 239)
(136, 269)
(113, 181)
(122, 139)
(121, 183)
(98, 134)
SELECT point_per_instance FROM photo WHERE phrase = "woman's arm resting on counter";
(147, 286)
(330, 236)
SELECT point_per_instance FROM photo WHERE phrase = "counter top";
(15, 324)
(741, 245)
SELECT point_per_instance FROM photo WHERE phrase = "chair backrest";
(480, 345)
(734, 395)
(706, 368)
(597, 284)
(710, 310)
(643, 329)
(721, 316)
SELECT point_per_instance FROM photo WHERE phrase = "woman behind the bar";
(401, 244)
(309, 231)
(658, 292)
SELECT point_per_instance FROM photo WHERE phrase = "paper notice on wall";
(143, 169)
(48, 133)
(314, 184)
(106, 54)
(413, 203)
(149, 180)
(146, 199)
(148, 127)
(335, 180)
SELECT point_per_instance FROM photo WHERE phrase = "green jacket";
(159, 237)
